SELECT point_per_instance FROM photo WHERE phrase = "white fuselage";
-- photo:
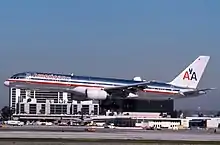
(78, 85)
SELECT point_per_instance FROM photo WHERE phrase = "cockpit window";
(19, 76)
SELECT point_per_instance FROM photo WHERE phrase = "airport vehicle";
(98, 88)
(14, 123)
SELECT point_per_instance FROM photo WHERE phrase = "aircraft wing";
(133, 88)
(197, 92)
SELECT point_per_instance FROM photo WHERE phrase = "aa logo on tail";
(190, 75)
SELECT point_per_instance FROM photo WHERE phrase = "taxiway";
(79, 133)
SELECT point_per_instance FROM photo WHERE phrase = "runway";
(116, 135)
(98, 129)
(101, 134)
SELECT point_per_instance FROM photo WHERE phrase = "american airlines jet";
(97, 88)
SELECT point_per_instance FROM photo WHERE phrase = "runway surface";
(98, 129)
(79, 133)
(115, 135)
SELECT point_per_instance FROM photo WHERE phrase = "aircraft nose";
(6, 83)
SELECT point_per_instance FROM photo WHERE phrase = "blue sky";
(154, 39)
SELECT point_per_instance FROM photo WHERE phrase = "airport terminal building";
(43, 103)
(48, 102)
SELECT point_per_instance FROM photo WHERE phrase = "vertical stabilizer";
(191, 76)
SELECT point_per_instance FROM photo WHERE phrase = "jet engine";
(202, 92)
(96, 94)
(84, 93)
(132, 95)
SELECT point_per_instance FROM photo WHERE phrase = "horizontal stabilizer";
(196, 92)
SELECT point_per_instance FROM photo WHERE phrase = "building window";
(64, 109)
(13, 98)
(71, 109)
(43, 95)
(52, 109)
(22, 108)
(23, 93)
(85, 109)
(95, 110)
(75, 110)
(32, 109)
(58, 109)
(17, 110)
(42, 110)
(69, 98)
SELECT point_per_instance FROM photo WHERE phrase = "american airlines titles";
(51, 76)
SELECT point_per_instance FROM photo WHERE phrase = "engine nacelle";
(202, 92)
(96, 94)
(132, 95)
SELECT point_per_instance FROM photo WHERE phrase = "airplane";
(83, 88)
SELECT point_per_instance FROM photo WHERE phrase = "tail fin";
(191, 76)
